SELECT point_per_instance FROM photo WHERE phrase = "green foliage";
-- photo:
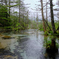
(51, 32)
(4, 17)
(57, 31)
(12, 21)
(19, 26)
(40, 26)
(33, 25)
(56, 24)
(3, 11)
(46, 32)
(48, 42)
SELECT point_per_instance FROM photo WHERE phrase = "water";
(27, 44)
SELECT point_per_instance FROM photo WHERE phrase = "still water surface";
(27, 44)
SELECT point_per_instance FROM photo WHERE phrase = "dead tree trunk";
(52, 17)
(19, 11)
(9, 8)
(43, 16)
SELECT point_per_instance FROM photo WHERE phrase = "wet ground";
(27, 44)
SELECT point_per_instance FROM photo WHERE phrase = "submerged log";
(7, 37)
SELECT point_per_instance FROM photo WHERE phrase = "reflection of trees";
(51, 48)
(6, 54)
(45, 38)
(37, 34)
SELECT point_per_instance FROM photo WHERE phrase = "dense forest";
(19, 20)
(14, 20)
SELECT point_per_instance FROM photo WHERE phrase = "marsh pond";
(26, 44)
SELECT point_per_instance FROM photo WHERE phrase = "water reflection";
(29, 44)
(37, 34)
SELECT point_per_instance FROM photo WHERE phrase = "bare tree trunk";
(6, 2)
(43, 16)
(19, 11)
(27, 16)
(46, 9)
(9, 8)
(6, 7)
(46, 21)
(52, 17)
(47, 25)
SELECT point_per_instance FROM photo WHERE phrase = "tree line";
(10, 19)
(45, 23)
